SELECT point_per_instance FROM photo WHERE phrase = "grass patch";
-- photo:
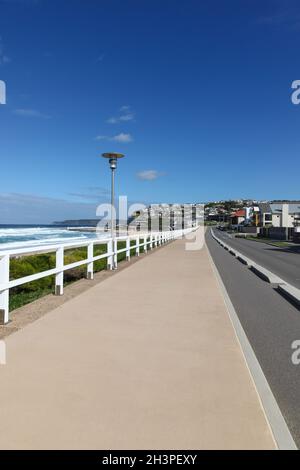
(278, 243)
(132, 243)
(121, 256)
(18, 299)
(209, 223)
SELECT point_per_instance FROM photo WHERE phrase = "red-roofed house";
(237, 217)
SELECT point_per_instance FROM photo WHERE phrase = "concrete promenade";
(147, 359)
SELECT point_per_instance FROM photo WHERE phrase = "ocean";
(19, 236)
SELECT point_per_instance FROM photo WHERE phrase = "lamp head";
(113, 158)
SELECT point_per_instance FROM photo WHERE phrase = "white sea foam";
(30, 231)
(37, 236)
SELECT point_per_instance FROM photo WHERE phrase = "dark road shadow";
(285, 249)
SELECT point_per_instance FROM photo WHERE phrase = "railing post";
(90, 266)
(151, 242)
(115, 248)
(156, 241)
(145, 244)
(59, 277)
(137, 250)
(110, 257)
(4, 294)
(128, 249)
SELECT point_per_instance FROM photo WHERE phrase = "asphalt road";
(271, 324)
(285, 262)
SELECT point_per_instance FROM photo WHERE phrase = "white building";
(285, 215)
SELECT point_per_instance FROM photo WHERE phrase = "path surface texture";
(147, 359)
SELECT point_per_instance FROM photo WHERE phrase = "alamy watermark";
(296, 354)
(295, 97)
(2, 92)
(154, 218)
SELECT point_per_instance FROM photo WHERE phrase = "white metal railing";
(145, 240)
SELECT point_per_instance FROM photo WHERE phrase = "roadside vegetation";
(210, 222)
(277, 243)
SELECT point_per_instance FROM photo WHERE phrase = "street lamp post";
(113, 158)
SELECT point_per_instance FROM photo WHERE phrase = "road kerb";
(290, 292)
(266, 275)
(243, 259)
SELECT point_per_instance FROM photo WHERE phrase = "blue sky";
(195, 93)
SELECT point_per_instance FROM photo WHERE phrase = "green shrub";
(28, 265)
